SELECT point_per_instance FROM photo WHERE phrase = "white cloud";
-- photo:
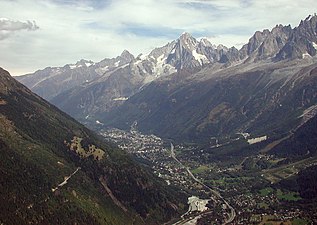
(8, 27)
(92, 29)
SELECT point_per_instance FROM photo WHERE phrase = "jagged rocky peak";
(187, 41)
(189, 53)
(256, 40)
(302, 42)
(221, 47)
(283, 42)
(205, 42)
(127, 55)
(308, 28)
(84, 62)
(310, 19)
(280, 28)
(108, 64)
(79, 64)
(157, 53)
(311, 16)
(266, 44)
(228, 55)
(185, 36)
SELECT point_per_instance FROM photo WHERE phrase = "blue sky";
(35, 34)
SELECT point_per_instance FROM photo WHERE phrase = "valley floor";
(237, 194)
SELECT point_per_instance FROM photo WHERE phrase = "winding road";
(232, 214)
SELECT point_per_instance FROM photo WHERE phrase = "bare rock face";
(302, 41)
(266, 44)
(282, 42)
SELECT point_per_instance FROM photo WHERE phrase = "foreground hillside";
(55, 171)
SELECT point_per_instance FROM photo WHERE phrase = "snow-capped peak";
(81, 63)
(186, 35)
(188, 41)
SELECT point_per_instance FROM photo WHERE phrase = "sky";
(35, 34)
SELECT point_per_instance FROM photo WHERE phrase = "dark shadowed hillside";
(55, 171)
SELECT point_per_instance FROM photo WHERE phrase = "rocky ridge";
(187, 61)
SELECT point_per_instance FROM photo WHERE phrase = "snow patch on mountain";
(306, 55)
(89, 64)
(116, 64)
(199, 57)
(143, 56)
(158, 68)
(173, 51)
(102, 70)
(161, 67)
(120, 99)
(161, 59)
(138, 61)
(74, 66)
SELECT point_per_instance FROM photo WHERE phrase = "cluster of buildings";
(134, 142)
(250, 208)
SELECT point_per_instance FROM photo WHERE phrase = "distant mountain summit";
(54, 80)
(302, 41)
(265, 44)
(189, 53)
(259, 89)
(182, 66)
(108, 83)
(282, 42)
(184, 53)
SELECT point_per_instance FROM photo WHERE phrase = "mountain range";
(192, 90)
(53, 170)
(243, 122)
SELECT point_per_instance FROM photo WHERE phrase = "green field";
(266, 191)
(200, 169)
(290, 196)
(299, 222)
